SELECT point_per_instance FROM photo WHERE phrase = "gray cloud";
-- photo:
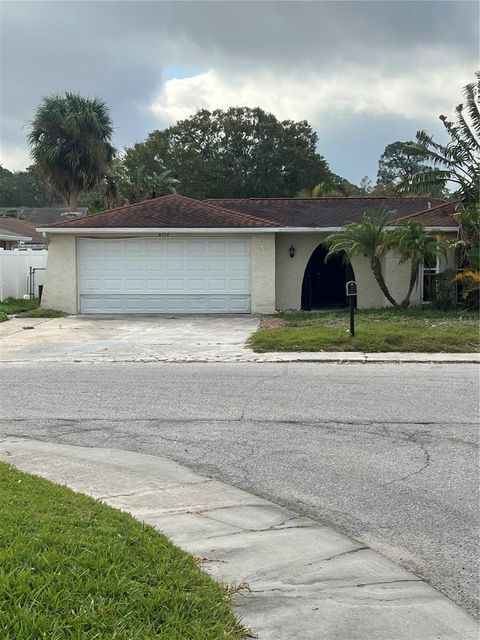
(121, 51)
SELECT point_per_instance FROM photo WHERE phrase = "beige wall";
(60, 290)
(290, 272)
(397, 279)
(263, 272)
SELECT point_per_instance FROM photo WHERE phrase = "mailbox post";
(351, 293)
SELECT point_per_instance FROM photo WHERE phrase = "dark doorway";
(324, 282)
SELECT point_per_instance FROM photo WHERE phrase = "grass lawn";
(74, 568)
(376, 330)
(26, 309)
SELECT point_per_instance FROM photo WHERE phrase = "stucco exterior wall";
(290, 272)
(397, 279)
(263, 249)
(60, 289)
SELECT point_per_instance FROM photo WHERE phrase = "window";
(430, 271)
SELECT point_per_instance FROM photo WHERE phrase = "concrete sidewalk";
(306, 581)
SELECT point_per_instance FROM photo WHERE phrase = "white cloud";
(14, 157)
(434, 86)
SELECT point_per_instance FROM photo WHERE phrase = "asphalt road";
(385, 453)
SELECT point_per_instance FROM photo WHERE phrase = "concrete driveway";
(126, 338)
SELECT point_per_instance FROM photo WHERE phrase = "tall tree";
(397, 164)
(237, 152)
(458, 161)
(70, 144)
(368, 237)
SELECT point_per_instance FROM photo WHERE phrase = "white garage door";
(164, 275)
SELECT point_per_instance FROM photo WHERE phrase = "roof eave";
(14, 238)
(201, 230)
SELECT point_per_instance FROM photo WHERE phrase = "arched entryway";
(324, 282)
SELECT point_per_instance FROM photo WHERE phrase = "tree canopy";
(24, 189)
(234, 153)
(397, 163)
(458, 161)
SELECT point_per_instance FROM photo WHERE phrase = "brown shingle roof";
(322, 212)
(172, 211)
(176, 211)
(22, 227)
(439, 216)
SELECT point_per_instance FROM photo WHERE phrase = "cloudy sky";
(364, 74)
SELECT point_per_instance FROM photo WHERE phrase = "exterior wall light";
(291, 251)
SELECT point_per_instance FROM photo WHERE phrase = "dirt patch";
(270, 322)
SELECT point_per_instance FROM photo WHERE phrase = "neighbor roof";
(12, 237)
(22, 227)
(323, 212)
(42, 215)
(172, 211)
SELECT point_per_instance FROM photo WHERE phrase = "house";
(178, 255)
(42, 215)
(23, 228)
(10, 240)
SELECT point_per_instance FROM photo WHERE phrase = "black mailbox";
(351, 288)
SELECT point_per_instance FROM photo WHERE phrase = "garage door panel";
(164, 275)
(175, 247)
(197, 285)
(134, 264)
(196, 265)
(239, 285)
(113, 284)
(109, 264)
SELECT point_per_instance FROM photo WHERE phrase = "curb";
(303, 579)
(342, 357)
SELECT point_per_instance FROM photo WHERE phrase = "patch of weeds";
(41, 313)
(16, 305)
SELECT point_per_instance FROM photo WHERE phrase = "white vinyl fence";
(16, 277)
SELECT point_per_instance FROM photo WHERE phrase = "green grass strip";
(73, 568)
(415, 330)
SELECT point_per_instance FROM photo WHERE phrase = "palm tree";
(368, 237)
(320, 190)
(160, 184)
(413, 242)
(457, 162)
(70, 144)
(140, 184)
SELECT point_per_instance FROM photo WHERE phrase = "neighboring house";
(9, 240)
(178, 255)
(23, 228)
(42, 215)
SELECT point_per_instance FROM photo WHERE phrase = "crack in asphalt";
(427, 463)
